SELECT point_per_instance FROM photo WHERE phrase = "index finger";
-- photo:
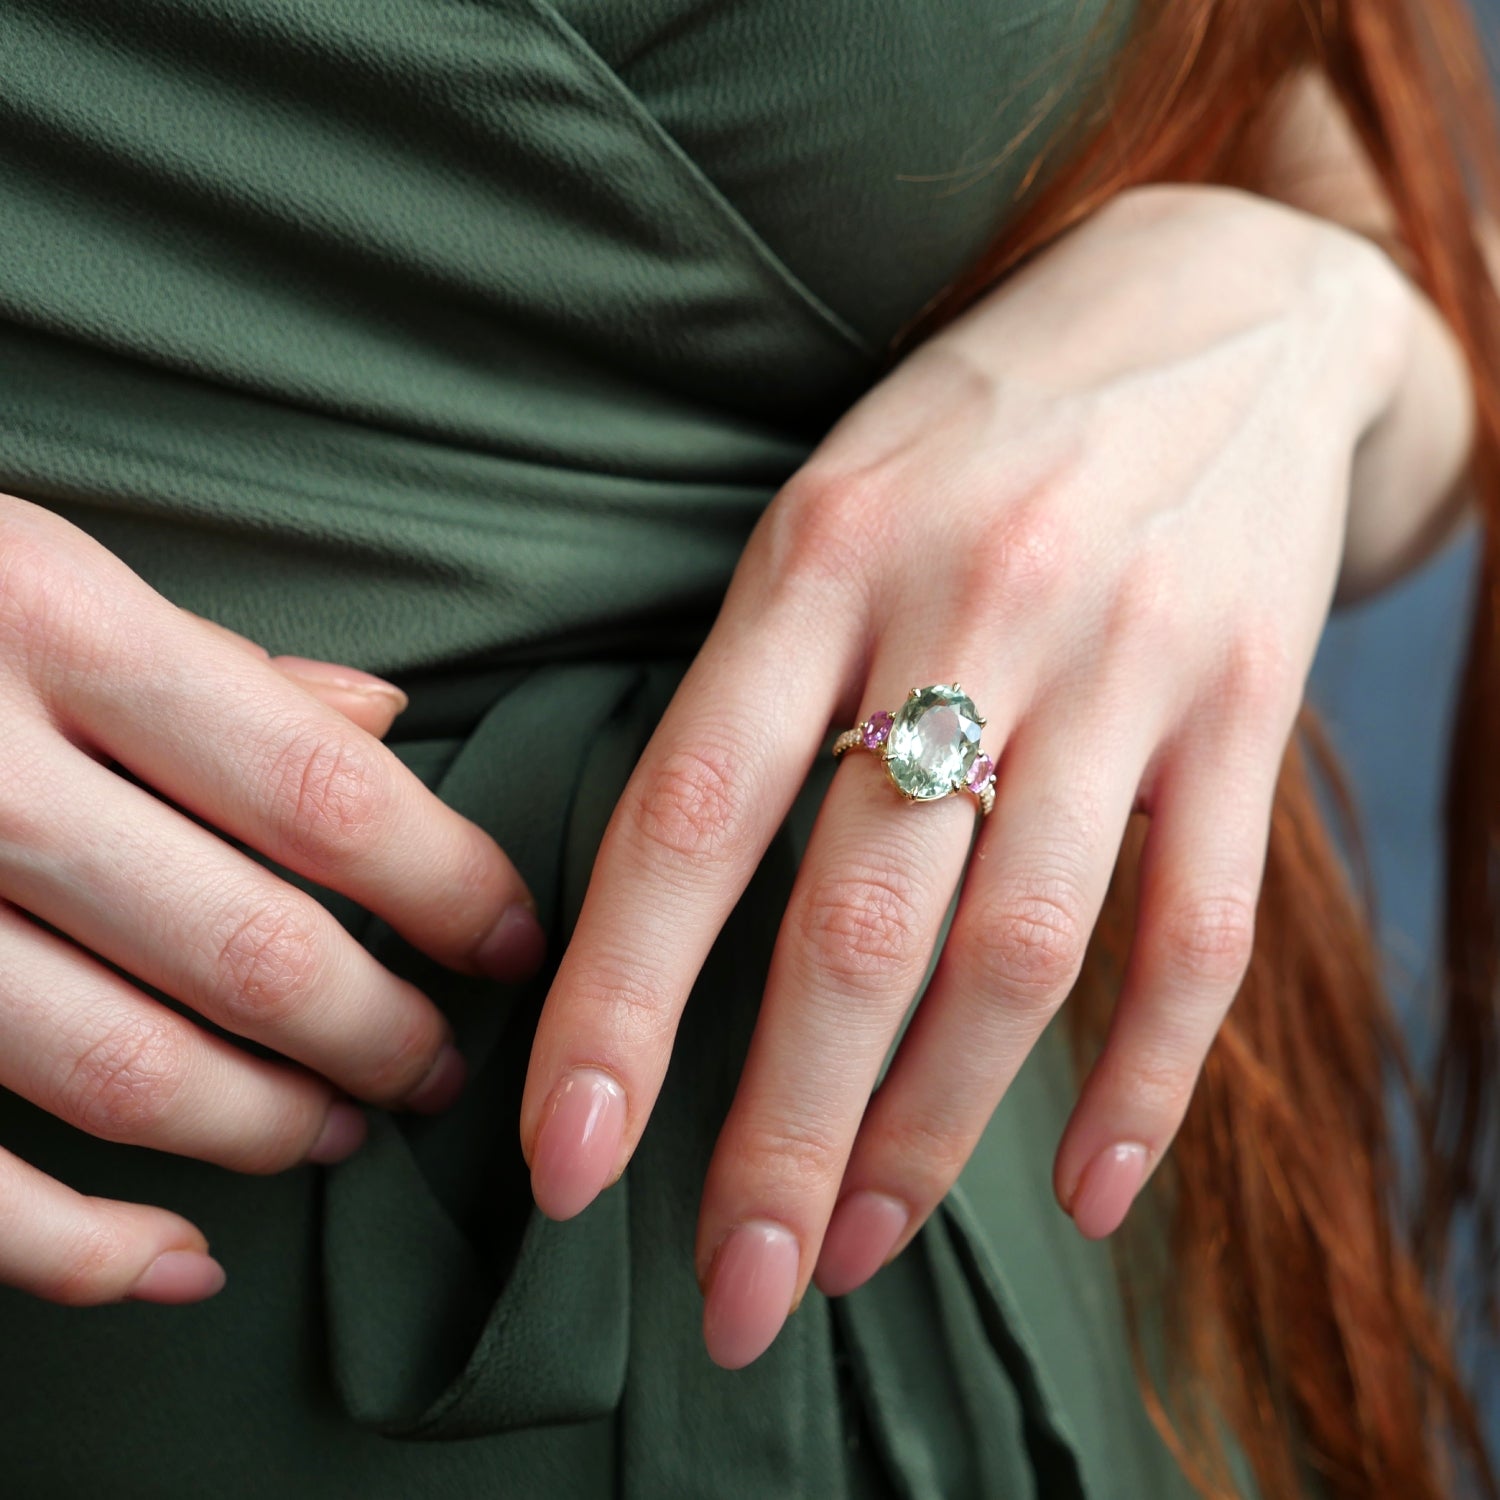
(228, 737)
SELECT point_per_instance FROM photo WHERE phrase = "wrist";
(1409, 475)
(1381, 325)
(1348, 284)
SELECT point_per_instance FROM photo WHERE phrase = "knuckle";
(265, 966)
(822, 529)
(921, 1147)
(325, 794)
(1157, 1087)
(1209, 939)
(32, 594)
(402, 1065)
(1148, 607)
(461, 898)
(64, 611)
(694, 804)
(858, 925)
(797, 1157)
(124, 1082)
(1029, 943)
(622, 1004)
(86, 1269)
(277, 1144)
(1025, 555)
(1256, 677)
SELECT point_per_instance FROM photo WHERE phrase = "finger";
(64, 1247)
(1200, 872)
(861, 922)
(233, 637)
(708, 793)
(363, 699)
(1031, 896)
(81, 1043)
(234, 741)
(197, 919)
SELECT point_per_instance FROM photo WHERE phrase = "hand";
(1109, 500)
(97, 671)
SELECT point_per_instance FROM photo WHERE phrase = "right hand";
(97, 670)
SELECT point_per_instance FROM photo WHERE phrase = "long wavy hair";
(1304, 1285)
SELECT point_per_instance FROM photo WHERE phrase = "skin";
(96, 671)
(1115, 500)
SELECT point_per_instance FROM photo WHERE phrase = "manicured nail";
(443, 1084)
(516, 945)
(750, 1288)
(578, 1143)
(861, 1235)
(1107, 1189)
(344, 1132)
(178, 1276)
(345, 679)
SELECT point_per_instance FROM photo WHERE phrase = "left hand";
(1110, 500)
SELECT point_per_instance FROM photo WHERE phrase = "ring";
(930, 746)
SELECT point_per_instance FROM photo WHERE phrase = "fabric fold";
(509, 1319)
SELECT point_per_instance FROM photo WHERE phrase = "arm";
(1409, 485)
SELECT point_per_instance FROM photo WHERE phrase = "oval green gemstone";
(933, 742)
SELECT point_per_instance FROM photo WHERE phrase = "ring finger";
(1031, 897)
(860, 926)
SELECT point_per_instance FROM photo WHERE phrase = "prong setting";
(929, 746)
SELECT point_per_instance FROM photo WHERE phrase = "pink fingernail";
(861, 1235)
(346, 679)
(444, 1082)
(178, 1276)
(344, 1132)
(578, 1143)
(515, 947)
(1107, 1189)
(750, 1288)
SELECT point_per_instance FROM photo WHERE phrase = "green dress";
(465, 340)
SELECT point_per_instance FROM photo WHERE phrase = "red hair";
(1305, 1282)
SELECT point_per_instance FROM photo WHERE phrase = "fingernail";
(1107, 1189)
(578, 1143)
(178, 1276)
(516, 945)
(750, 1288)
(347, 679)
(344, 1132)
(861, 1235)
(442, 1085)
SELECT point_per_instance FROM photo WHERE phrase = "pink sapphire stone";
(980, 773)
(877, 728)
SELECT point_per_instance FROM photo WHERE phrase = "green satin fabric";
(465, 340)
